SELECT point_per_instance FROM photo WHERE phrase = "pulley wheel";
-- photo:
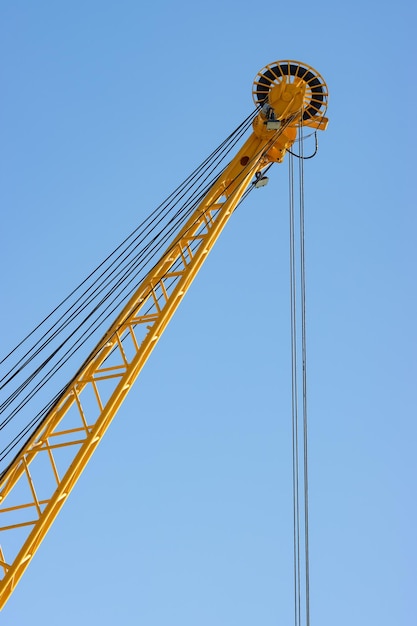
(316, 94)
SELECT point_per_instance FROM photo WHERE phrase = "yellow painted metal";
(290, 85)
(78, 420)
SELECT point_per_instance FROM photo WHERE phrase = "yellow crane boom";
(288, 95)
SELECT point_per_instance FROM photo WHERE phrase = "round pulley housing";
(290, 75)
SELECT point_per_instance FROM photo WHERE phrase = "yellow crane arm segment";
(73, 428)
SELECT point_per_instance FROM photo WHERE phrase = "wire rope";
(121, 296)
(294, 401)
(145, 226)
(53, 326)
(117, 291)
(301, 559)
(304, 382)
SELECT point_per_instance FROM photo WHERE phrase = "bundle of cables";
(41, 362)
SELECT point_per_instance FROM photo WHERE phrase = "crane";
(288, 95)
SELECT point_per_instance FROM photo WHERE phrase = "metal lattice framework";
(39, 480)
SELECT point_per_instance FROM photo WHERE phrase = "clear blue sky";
(183, 516)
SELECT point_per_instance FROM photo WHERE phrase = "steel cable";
(144, 226)
(294, 401)
(304, 384)
(301, 559)
(130, 269)
(125, 272)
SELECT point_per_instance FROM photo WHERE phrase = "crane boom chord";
(287, 95)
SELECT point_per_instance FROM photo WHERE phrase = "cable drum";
(316, 94)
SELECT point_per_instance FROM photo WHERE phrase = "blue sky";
(183, 516)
